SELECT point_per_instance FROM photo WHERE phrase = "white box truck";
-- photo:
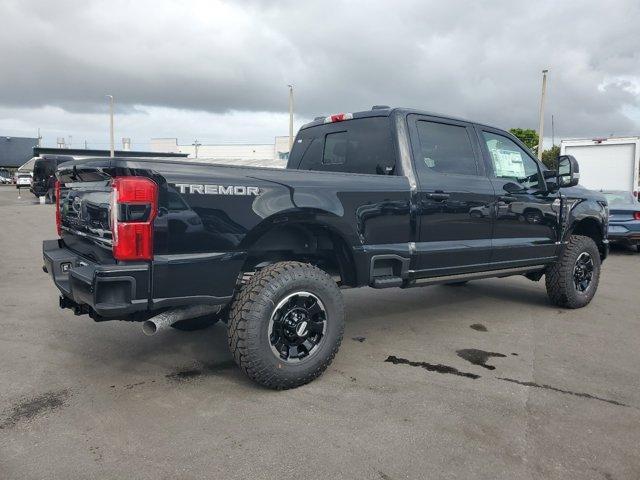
(607, 163)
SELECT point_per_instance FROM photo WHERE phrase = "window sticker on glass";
(429, 162)
(507, 163)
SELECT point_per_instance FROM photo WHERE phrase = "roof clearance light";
(338, 117)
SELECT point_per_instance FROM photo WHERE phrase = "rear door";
(454, 197)
(526, 226)
(362, 151)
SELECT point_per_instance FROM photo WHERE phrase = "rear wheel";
(286, 324)
(573, 280)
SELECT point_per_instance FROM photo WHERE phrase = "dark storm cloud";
(479, 60)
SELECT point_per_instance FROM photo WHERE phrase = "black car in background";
(624, 218)
(43, 170)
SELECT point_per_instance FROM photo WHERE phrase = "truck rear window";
(362, 145)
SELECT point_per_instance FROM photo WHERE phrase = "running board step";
(386, 282)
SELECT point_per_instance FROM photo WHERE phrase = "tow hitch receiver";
(77, 308)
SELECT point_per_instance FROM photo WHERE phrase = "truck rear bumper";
(110, 291)
(620, 233)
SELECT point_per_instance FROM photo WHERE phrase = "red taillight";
(636, 215)
(338, 117)
(133, 208)
(58, 214)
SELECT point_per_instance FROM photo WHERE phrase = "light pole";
(196, 144)
(290, 117)
(541, 119)
(110, 97)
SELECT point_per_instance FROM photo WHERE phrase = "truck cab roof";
(384, 111)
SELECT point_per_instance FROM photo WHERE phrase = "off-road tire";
(559, 277)
(250, 314)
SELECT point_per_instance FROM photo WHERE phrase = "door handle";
(506, 198)
(437, 196)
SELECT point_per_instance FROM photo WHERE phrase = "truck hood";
(583, 193)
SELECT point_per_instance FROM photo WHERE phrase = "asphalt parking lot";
(485, 381)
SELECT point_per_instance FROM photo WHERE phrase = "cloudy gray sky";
(219, 71)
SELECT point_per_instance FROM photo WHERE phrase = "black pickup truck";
(383, 198)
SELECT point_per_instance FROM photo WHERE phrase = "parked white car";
(22, 179)
(5, 176)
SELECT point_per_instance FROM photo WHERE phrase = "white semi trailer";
(607, 163)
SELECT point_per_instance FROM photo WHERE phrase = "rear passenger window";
(446, 148)
(335, 149)
(355, 146)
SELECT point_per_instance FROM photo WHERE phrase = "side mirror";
(568, 171)
(512, 187)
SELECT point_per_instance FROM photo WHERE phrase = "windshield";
(619, 198)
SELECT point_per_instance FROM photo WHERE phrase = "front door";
(526, 214)
(453, 201)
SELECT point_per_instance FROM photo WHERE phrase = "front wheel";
(286, 324)
(573, 280)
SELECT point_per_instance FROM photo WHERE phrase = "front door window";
(511, 162)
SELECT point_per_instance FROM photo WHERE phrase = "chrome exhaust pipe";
(168, 318)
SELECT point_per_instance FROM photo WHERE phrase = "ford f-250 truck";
(381, 198)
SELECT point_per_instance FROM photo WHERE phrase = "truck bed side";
(211, 218)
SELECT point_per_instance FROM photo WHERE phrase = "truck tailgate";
(85, 213)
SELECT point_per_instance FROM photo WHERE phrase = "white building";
(273, 154)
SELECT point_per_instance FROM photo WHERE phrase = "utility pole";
(85, 144)
(541, 120)
(111, 140)
(196, 144)
(553, 133)
(39, 138)
(290, 117)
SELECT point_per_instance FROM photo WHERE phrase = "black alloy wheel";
(583, 272)
(297, 327)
